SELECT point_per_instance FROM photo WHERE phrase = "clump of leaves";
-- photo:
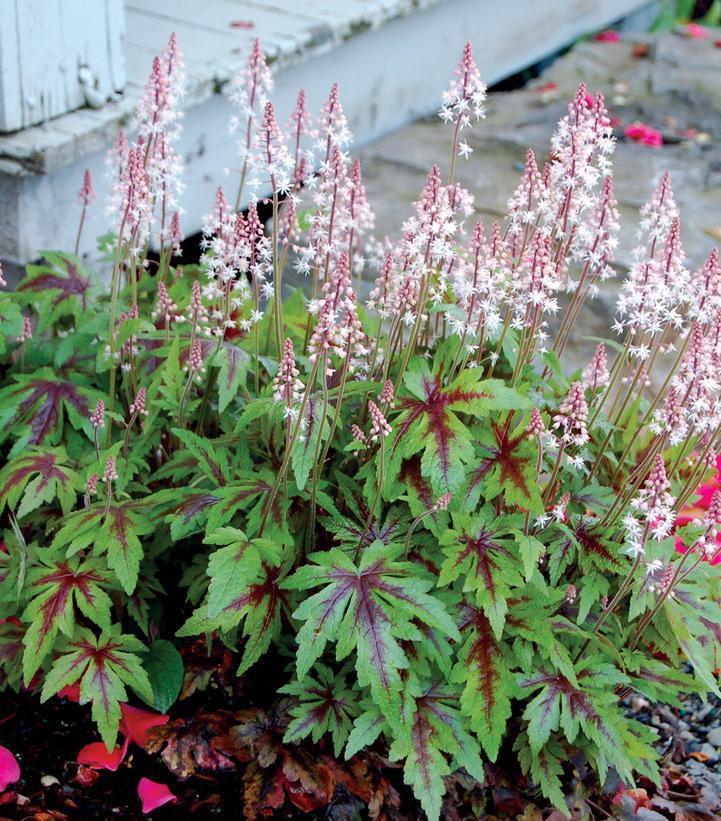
(456, 552)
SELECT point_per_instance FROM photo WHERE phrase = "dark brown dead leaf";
(187, 745)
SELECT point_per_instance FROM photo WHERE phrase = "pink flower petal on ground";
(136, 723)
(609, 36)
(153, 794)
(9, 768)
(642, 133)
(70, 693)
(696, 31)
(97, 757)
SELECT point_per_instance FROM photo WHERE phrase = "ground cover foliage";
(453, 549)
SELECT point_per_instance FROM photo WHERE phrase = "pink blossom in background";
(644, 134)
(609, 36)
(9, 769)
(154, 794)
(97, 757)
(696, 511)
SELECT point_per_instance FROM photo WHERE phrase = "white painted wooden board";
(57, 56)
(392, 59)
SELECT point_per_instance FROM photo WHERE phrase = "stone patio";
(670, 82)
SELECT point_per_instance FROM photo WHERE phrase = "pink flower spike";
(97, 757)
(136, 724)
(9, 769)
(154, 795)
(644, 134)
(609, 36)
(86, 195)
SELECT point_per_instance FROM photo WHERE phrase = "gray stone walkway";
(675, 88)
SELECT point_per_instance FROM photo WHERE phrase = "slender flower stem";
(371, 512)
(620, 593)
(318, 463)
(270, 499)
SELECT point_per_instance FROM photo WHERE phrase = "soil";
(46, 740)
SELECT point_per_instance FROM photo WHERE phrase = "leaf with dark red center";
(433, 738)
(244, 587)
(59, 286)
(115, 532)
(58, 587)
(248, 493)
(233, 363)
(429, 422)
(658, 681)
(591, 707)
(488, 685)
(184, 509)
(367, 608)
(38, 401)
(12, 632)
(104, 666)
(37, 477)
(507, 465)
(307, 445)
(325, 705)
(482, 553)
(213, 462)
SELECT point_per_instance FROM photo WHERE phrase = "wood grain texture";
(392, 59)
(46, 46)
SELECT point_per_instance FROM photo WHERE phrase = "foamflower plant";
(466, 552)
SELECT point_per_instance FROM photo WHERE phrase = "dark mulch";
(47, 738)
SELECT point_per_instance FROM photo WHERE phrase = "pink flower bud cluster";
(596, 374)
(379, 425)
(97, 417)
(535, 424)
(654, 502)
(358, 434)
(92, 486)
(287, 387)
(86, 195)
(573, 416)
(110, 474)
(249, 90)
(137, 407)
(194, 366)
(164, 307)
(464, 100)
(27, 330)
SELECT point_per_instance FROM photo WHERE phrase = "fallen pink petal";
(696, 31)
(70, 693)
(644, 134)
(609, 36)
(9, 769)
(154, 795)
(137, 723)
(97, 757)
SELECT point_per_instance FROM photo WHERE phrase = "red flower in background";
(642, 133)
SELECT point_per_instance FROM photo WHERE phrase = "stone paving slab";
(675, 87)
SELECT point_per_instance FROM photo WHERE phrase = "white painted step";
(392, 59)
